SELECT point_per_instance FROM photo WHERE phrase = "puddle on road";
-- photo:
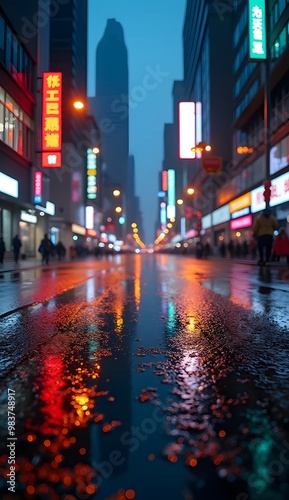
(165, 379)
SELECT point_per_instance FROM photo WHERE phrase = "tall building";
(208, 79)
(68, 54)
(42, 37)
(112, 113)
(18, 55)
(208, 64)
(250, 110)
(245, 110)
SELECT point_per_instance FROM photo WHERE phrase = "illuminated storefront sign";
(221, 215)
(8, 185)
(48, 209)
(51, 119)
(242, 222)
(279, 193)
(171, 207)
(164, 180)
(239, 203)
(207, 221)
(91, 232)
(190, 126)
(75, 228)
(89, 217)
(240, 213)
(91, 175)
(257, 30)
(37, 187)
(26, 217)
(163, 215)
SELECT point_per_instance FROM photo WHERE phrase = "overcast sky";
(153, 37)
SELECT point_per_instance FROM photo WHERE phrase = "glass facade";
(16, 128)
(14, 56)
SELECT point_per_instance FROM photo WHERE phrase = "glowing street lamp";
(118, 210)
(96, 150)
(180, 201)
(190, 191)
(78, 105)
(243, 150)
(200, 147)
(116, 192)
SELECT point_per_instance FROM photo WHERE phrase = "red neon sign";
(37, 187)
(164, 180)
(51, 119)
(242, 222)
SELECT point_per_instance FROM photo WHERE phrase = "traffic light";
(267, 191)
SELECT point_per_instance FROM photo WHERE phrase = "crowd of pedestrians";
(262, 241)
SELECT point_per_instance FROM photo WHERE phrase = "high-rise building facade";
(18, 55)
(69, 189)
(112, 114)
(36, 38)
(245, 110)
(208, 80)
(250, 103)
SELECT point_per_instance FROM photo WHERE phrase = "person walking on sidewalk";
(46, 249)
(263, 230)
(281, 245)
(2, 250)
(16, 245)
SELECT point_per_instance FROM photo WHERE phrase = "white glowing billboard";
(190, 128)
(171, 207)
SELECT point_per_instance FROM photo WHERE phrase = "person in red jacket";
(281, 245)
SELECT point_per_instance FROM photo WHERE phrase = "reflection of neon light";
(171, 323)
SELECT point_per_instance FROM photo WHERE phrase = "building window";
(13, 55)
(16, 128)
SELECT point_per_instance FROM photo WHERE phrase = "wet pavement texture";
(146, 377)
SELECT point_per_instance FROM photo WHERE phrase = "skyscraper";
(112, 111)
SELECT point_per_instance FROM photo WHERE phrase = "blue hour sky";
(153, 37)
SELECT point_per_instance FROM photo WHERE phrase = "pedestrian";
(60, 250)
(45, 249)
(2, 250)
(253, 247)
(16, 245)
(263, 230)
(281, 245)
(231, 248)
(222, 249)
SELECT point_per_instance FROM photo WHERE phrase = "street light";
(118, 209)
(78, 105)
(244, 150)
(200, 147)
(190, 191)
(116, 192)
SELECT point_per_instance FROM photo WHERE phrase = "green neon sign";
(257, 30)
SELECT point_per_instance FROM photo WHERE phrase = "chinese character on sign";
(257, 30)
(52, 118)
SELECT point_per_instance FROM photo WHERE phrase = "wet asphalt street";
(145, 377)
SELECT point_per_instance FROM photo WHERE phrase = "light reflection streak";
(137, 286)
(90, 290)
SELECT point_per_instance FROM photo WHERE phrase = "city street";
(145, 377)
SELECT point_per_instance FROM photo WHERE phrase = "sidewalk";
(26, 264)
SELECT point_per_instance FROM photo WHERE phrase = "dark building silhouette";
(112, 112)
